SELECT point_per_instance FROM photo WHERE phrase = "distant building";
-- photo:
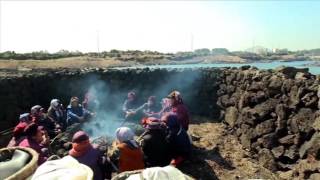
(280, 51)
(259, 50)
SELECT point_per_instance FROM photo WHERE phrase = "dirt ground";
(218, 155)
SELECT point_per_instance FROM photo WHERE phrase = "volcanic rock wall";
(275, 114)
(18, 94)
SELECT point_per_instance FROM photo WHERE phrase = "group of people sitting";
(37, 127)
(164, 141)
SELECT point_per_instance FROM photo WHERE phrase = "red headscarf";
(151, 123)
(80, 144)
(19, 129)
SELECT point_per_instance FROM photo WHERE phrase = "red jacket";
(27, 142)
(183, 115)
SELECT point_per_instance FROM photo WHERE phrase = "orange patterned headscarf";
(80, 144)
(79, 149)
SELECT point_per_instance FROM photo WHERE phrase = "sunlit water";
(261, 65)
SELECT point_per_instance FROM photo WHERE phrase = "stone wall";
(275, 114)
(18, 94)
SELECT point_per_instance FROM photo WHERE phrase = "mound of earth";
(219, 155)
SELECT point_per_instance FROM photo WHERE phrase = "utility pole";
(191, 42)
(253, 44)
(0, 25)
(98, 44)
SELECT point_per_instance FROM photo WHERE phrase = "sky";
(163, 26)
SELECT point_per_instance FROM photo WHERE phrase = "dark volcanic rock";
(266, 159)
(244, 100)
(265, 127)
(316, 124)
(267, 141)
(256, 86)
(303, 121)
(310, 99)
(287, 140)
(292, 152)
(275, 114)
(245, 141)
(264, 109)
(295, 95)
(275, 83)
(278, 151)
(287, 85)
(311, 147)
(225, 101)
(281, 111)
(257, 98)
(291, 72)
(247, 116)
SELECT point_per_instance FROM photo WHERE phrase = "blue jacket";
(73, 114)
(178, 138)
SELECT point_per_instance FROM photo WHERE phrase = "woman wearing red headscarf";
(87, 154)
(179, 109)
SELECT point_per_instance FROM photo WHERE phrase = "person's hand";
(176, 161)
(130, 113)
(57, 131)
(93, 114)
(46, 140)
(81, 118)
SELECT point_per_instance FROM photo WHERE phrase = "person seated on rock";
(56, 113)
(154, 144)
(131, 109)
(88, 154)
(165, 108)
(178, 139)
(26, 118)
(76, 113)
(34, 139)
(40, 117)
(35, 113)
(18, 134)
(150, 108)
(180, 109)
(130, 153)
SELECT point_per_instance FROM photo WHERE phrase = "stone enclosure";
(274, 113)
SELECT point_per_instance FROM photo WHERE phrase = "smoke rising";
(107, 97)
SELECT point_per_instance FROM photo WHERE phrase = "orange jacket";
(130, 159)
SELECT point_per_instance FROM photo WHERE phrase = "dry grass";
(74, 62)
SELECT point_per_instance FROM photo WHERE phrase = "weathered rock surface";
(231, 116)
(277, 118)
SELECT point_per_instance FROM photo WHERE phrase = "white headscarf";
(54, 103)
(35, 109)
(125, 134)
